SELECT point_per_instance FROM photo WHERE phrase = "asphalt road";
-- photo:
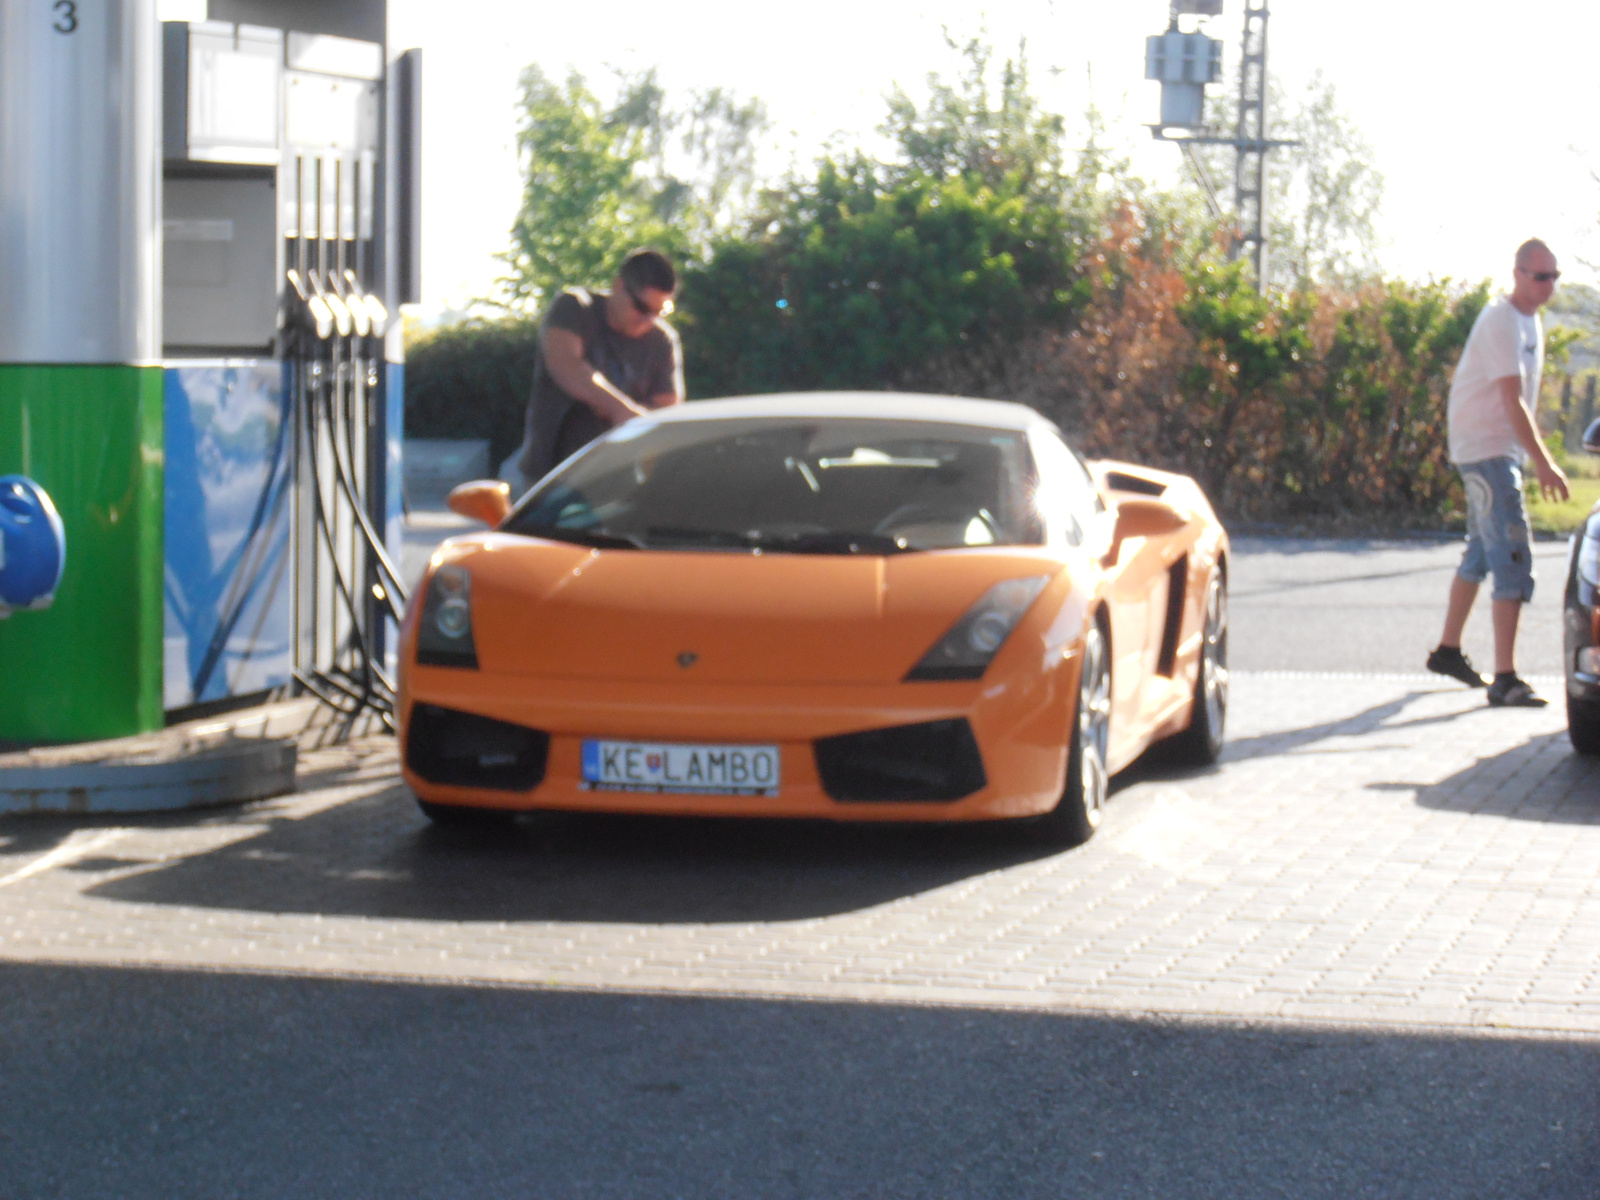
(1374, 607)
(161, 1083)
(156, 1084)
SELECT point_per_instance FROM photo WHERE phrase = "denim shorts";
(1497, 529)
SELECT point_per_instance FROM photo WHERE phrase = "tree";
(857, 284)
(600, 180)
(864, 273)
(966, 129)
(1324, 194)
(1325, 226)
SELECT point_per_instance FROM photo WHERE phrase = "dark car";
(1582, 625)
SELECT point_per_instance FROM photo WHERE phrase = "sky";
(1482, 117)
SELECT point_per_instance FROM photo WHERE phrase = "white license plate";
(672, 767)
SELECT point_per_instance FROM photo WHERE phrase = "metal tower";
(1250, 141)
(1184, 66)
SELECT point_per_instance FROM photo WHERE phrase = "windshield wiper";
(597, 538)
(831, 542)
(820, 541)
(698, 537)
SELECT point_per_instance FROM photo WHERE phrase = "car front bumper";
(1021, 726)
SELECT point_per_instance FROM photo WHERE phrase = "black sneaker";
(1507, 691)
(1448, 660)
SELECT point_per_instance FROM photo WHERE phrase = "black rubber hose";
(394, 587)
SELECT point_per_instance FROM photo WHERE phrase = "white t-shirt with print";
(1503, 342)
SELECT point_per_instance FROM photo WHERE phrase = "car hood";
(557, 610)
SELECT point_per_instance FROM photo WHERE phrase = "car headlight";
(972, 642)
(1589, 554)
(444, 635)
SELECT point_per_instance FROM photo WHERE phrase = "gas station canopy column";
(80, 345)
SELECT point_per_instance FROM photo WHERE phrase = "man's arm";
(563, 358)
(1552, 480)
(669, 389)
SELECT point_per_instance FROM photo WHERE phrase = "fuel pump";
(334, 324)
(322, 160)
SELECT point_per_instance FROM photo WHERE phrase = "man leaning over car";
(604, 358)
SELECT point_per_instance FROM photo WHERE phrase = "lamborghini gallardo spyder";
(860, 606)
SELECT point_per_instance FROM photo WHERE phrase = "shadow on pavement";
(153, 1084)
(1376, 719)
(1542, 780)
(22, 837)
(378, 857)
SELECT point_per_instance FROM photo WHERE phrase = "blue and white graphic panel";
(230, 460)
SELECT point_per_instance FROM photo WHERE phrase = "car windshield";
(790, 485)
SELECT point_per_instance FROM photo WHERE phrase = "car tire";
(1200, 745)
(1077, 814)
(1583, 725)
(457, 816)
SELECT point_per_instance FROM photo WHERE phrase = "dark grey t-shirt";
(640, 368)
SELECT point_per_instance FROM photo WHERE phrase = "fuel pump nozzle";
(351, 298)
(336, 305)
(377, 314)
(321, 314)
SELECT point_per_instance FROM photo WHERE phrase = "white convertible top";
(949, 410)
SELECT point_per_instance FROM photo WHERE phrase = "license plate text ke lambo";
(678, 768)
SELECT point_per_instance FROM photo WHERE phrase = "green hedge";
(472, 381)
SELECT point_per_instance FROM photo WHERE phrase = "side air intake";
(465, 750)
(1123, 482)
(933, 761)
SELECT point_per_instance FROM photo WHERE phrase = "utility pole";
(1184, 63)
(1250, 141)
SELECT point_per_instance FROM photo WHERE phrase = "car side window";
(1066, 495)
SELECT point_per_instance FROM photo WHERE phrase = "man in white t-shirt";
(1493, 398)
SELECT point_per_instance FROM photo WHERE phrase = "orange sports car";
(856, 606)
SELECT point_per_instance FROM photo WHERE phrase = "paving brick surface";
(1376, 849)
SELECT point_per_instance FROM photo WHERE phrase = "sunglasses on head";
(643, 309)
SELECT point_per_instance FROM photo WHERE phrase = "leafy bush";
(1318, 403)
(858, 284)
(472, 381)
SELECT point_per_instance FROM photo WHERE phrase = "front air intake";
(933, 761)
(465, 750)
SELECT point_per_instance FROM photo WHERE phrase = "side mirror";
(486, 500)
(1140, 517)
(1591, 437)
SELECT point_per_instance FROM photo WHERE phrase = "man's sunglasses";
(643, 309)
(1536, 276)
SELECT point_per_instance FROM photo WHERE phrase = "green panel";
(90, 666)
